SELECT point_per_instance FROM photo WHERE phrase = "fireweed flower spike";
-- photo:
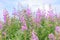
(57, 32)
(50, 12)
(51, 36)
(39, 13)
(22, 20)
(24, 27)
(28, 12)
(57, 29)
(38, 16)
(14, 11)
(34, 37)
(5, 13)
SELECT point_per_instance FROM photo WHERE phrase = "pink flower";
(34, 37)
(14, 12)
(51, 36)
(5, 13)
(50, 12)
(22, 20)
(57, 29)
(28, 12)
(24, 27)
(38, 15)
(4, 18)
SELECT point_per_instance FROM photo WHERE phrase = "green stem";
(24, 35)
(0, 35)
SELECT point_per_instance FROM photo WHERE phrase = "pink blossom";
(5, 13)
(50, 12)
(24, 27)
(4, 18)
(38, 15)
(34, 37)
(22, 20)
(14, 12)
(51, 36)
(57, 29)
(28, 12)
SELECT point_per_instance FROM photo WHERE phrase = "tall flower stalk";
(6, 17)
(14, 13)
(57, 32)
(5, 13)
(34, 36)
(28, 12)
(38, 15)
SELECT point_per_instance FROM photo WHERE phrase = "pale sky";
(33, 4)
